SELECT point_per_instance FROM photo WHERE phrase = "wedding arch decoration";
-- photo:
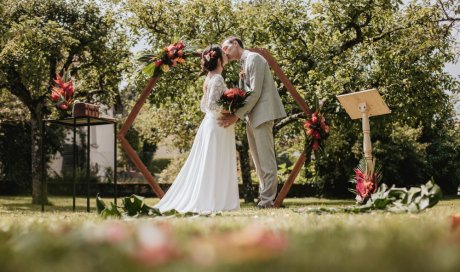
(175, 54)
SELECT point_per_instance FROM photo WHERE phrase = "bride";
(208, 180)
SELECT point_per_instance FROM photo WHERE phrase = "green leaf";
(133, 205)
(100, 204)
(111, 211)
(149, 70)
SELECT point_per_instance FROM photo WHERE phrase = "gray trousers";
(262, 148)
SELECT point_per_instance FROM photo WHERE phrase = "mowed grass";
(376, 241)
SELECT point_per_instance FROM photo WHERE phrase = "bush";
(402, 156)
(444, 158)
(172, 170)
(15, 159)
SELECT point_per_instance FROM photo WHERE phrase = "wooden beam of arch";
(132, 154)
(146, 92)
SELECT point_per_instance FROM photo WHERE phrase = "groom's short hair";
(234, 38)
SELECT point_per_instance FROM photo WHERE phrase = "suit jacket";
(264, 104)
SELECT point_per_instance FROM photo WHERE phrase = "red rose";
(64, 106)
(158, 63)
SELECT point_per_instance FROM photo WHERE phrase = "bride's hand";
(227, 120)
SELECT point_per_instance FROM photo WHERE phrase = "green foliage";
(396, 200)
(411, 200)
(134, 206)
(444, 157)
(325, 48)
(169, 173)
(41, 38)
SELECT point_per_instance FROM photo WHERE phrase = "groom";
(262, 107)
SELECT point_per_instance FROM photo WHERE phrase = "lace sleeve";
(215, 90)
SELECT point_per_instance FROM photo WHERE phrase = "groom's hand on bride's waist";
(227, 119)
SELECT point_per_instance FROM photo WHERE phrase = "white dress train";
(208, 180)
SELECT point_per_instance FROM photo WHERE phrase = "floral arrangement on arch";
(162, 61)
(316, 128)
(62, 92)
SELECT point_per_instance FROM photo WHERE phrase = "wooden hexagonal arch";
(146, 92)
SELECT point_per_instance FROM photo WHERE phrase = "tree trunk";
(243, 151)
(39, 190)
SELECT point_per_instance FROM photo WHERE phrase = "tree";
(326, 48)
(42, 38)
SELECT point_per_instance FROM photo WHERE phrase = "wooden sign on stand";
(363, 105)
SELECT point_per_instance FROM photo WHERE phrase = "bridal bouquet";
(233, 99)
(62, 92)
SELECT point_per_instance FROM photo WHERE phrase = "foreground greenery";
(34, 241)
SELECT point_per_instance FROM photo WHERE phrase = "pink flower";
(55, 96)
(179, 45)
(315, 145)
(69, 91)
(156, 245)
(314, 117)
(365, 185)
(455, 222)
(316, 135)
(64, 106)
(116, 232)
(308, 124)
(171, 48)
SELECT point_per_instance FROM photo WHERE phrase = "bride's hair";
(210, 58)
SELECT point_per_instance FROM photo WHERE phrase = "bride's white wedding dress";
(208, 180)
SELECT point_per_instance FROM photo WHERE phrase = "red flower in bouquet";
(365, 186)
(62, 93)
(316, 129)
(233, 99)
(168, 57)
(366, 181)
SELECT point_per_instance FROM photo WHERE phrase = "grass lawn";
(61, 240)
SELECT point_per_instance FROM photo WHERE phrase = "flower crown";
(210, 55)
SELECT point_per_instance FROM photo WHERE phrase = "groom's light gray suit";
(262, 107)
